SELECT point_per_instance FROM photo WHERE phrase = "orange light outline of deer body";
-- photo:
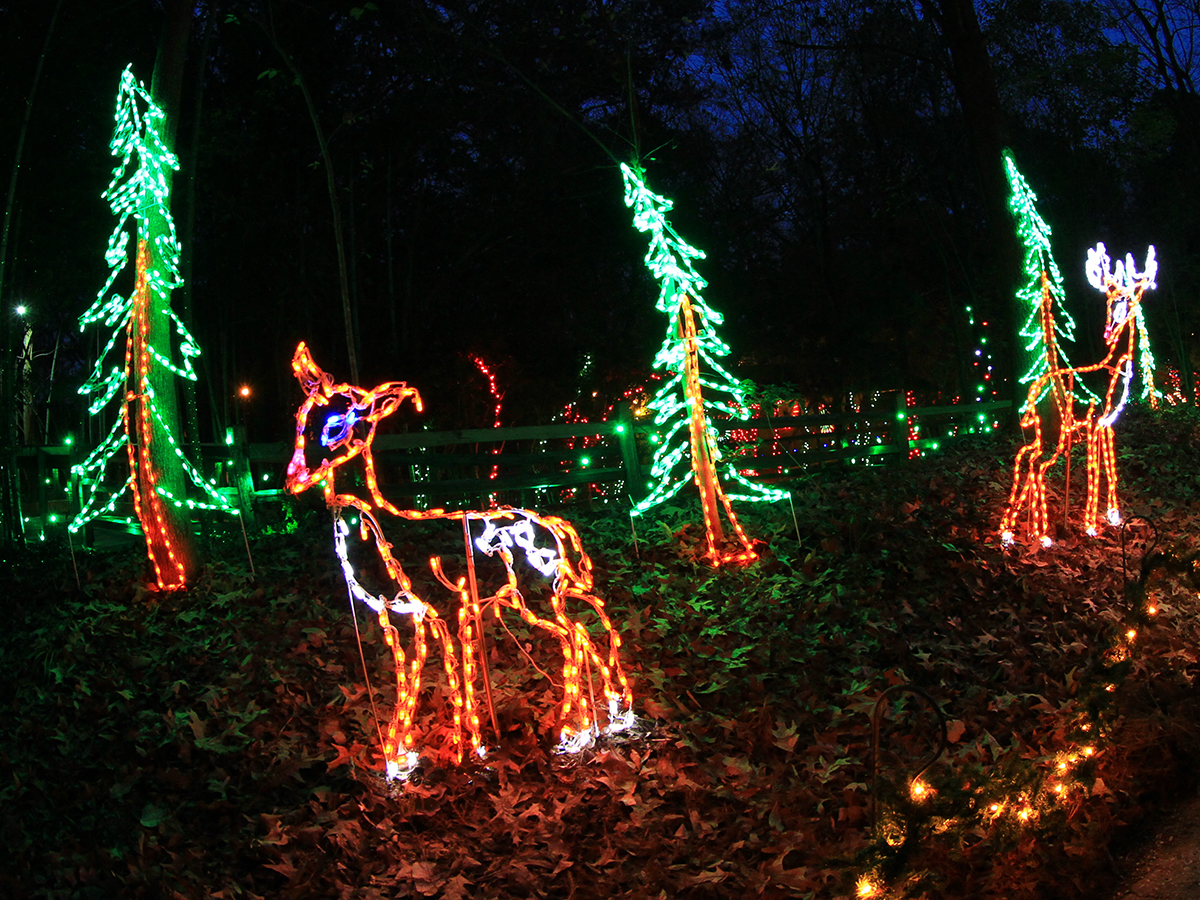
(569, 582)
(1123, 295)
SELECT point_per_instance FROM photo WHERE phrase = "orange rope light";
(506, 530)
(143, 482)
(1123, 295)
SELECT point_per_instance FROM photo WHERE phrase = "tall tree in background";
(1164, 160)
(695, 384)
(137, 367)
(11, 525)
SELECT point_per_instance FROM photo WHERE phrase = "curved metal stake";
(875, 717)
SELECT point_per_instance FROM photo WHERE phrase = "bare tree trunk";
(975, 87)
(391, 258)
(187, 235)
(335, 206)
(166, 88)
(11, 527)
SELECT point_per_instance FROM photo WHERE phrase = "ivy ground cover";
(221, 742)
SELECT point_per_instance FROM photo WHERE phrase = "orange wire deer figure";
(347, 432)
(1123, 292)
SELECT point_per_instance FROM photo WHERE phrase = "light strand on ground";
(1020, 804)
(682, 402)
(549, 544)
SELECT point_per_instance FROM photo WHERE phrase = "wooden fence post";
(242, 478)
(627, 441)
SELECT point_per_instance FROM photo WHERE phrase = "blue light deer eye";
(338, 427)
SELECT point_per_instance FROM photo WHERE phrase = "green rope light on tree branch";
(695, 381)
(138, 191)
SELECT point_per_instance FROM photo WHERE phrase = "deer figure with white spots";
(547, 544)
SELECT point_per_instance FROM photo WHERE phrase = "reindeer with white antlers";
(547, 544)
(1123, 292)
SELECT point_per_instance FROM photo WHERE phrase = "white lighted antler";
(1123, 291)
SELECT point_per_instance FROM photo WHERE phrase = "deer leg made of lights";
(1123, 292)
(1029, 469)
(347, 434)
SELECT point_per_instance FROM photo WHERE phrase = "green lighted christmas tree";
(135, 371)
(1047, 320)
(695, 381)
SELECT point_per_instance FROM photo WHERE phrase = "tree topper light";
(695, 382)
(548, 544)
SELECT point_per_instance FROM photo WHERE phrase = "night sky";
(829, 158)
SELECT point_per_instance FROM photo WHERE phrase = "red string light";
(147, 502)
(496, 396)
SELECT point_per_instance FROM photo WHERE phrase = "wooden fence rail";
(605, 452)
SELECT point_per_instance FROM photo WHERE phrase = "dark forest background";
(838, 162)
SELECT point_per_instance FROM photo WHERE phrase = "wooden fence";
(428, 468)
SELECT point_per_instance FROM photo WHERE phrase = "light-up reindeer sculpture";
(1123, 292)
(347, 432)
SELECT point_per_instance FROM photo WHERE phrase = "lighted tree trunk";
(703, 471)
(159, 235)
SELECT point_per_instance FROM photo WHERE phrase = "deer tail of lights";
(546, 544)
(695, 382)
(1124, 337)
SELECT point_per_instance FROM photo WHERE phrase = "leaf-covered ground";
(221, 742)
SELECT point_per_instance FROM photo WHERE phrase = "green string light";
(1034, 234)
(139, 188)
(695, 383)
